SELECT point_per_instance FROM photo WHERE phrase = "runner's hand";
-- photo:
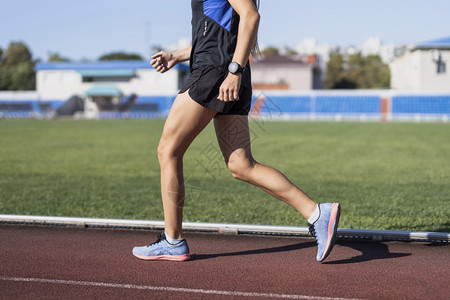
(163, 61)
(229, 90)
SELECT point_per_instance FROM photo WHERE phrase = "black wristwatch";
(235, 68)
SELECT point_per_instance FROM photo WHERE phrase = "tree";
(335, 71)
(356, 72)
(376, 74)
(55, 57)
(291, 52)
(5, 78)
(16, 53)
(17, 68)
(120, 56)
(1, 56)
(270, 51)
(23, 77)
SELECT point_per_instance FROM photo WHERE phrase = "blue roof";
(442, 43)
(100, 65)
(103, 91)
(107, 73)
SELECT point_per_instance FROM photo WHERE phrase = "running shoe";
(325, 228)
(163, 250)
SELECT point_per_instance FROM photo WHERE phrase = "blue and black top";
(215, 27)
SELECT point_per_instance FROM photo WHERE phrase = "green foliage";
(5, 77)
(356, 72)
(335, 71)
(270, 51)
(391, 176)
(17, 68)
(23, 77)
(17, 53)
(55, 57)
(291, 52)
(120, 56)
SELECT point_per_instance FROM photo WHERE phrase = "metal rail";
(343, 233)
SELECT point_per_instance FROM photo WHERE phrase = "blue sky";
(89, 28)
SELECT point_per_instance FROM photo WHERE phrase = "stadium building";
(282, 91)
(425, 67)
(283, 73)
(107, 88)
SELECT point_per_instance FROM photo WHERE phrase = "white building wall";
(58, 84)
(416, 71)
(62, 84)
(298, 78)
(150, 82)
(431, 79)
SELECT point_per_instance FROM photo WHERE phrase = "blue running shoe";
(163, 250)
(325, 228)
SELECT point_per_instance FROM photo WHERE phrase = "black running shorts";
(203, 85)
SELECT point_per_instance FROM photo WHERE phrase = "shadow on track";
(369, 251)
(256, 251)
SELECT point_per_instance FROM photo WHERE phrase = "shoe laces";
(312, 229)
(160, 237)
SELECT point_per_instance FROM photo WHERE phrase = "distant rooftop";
(442, 43)
(100, 65)
(279, 60)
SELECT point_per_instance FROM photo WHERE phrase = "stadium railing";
(359, 105)
(316, 105)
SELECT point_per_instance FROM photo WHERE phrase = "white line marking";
(164, 288)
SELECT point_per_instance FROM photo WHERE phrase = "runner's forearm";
(182, 55)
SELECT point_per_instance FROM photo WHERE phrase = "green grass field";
(392, 176)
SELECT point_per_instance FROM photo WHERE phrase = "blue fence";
(420, 104)
(356, 105)
(314, 105)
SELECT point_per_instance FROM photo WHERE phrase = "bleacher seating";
(421, 104)
(144, 107)
(318, 105)
(16, 109)
(286, 105)
(358, 104)
(310, 105)
(164, 103)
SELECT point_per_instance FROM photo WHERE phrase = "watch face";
(233, 67)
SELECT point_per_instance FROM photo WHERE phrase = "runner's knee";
(241, 168)
(167, 152)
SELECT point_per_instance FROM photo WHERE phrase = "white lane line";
(164, 288)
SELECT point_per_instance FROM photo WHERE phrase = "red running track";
(72, 263)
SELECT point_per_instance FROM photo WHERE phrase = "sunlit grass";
(392, 176)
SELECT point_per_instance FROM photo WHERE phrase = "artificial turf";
(391, 176)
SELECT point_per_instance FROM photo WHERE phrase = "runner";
(219, 88)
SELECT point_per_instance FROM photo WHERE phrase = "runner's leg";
(185, 121)
(233, 135)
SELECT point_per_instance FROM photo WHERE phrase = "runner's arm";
(163, 61)
(247, 32)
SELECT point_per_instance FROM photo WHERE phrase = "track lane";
(236, 264)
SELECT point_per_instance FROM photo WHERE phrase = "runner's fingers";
(156, 55)
(228, 94)
(156, 63)
(220, 97)
(159, 68)
(231, 95)
(225, 95)
(235, 95)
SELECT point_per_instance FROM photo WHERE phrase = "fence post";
(386, 107)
